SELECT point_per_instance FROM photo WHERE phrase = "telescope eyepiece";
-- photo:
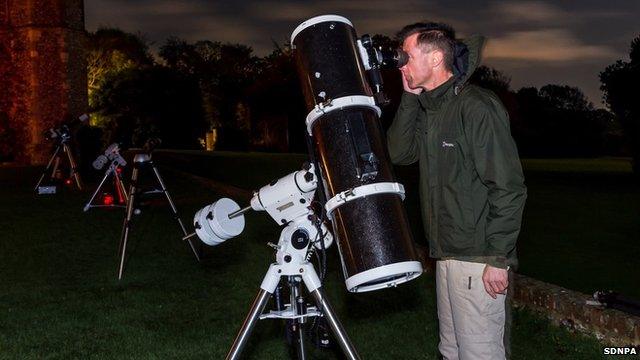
(396, 58)
(383, 58)
(391, 58)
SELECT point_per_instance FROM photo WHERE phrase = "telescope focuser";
(374, 58)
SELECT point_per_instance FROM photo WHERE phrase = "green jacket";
(471, 184)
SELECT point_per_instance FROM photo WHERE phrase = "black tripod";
(140, 161)
(55, 161)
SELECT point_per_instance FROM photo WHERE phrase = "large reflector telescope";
(364, 201)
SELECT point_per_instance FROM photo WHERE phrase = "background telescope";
(111, 154)
(62, 136)
(63, 132)
(116, 162)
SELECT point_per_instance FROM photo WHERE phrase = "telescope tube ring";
(363, 191)
(338, 104)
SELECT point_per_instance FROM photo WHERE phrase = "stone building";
(43, 78)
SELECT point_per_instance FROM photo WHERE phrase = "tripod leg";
(127, 222)
(175, 211)
(56, 164)
(341, 335)
(268, 287)
(44, 172)
(249, 322)
(300, 341)
(122, 192)
(74, 168)
(298, 324)
(104, 178)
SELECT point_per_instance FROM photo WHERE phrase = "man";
(471, 186)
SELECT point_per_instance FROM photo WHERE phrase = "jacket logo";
(446, 144)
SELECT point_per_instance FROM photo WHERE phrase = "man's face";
(417, 71)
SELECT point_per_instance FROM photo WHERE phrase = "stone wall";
(42, 72)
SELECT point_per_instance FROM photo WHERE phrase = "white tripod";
(291, 263)
(119, 186)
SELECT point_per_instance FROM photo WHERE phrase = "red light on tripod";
(67, 181)
(107, 199)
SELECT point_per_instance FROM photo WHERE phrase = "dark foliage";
(152, 101)
(276, 102)
(88, 142)
(492, 79)
(620, 87)
(223, 72)
(134, 46)
(110, 51)
(558, 121)
(554, 121)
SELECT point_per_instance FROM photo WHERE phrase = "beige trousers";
(471, 321)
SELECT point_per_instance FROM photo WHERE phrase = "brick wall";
(568, 308)
(42, 70)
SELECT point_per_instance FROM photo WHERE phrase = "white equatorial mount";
(288, 201)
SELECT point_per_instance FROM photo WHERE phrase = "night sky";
(534, 42)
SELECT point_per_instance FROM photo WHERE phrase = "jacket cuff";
(497, 262)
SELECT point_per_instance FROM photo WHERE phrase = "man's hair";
(438, 35)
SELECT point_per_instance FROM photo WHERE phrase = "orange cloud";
(530, 11)
(552, 45)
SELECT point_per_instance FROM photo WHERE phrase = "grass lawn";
(581, 228)
(59, 297)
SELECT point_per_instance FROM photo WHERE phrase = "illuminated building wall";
(43, 77)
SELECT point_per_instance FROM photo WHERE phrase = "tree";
(620, 92)
(110, 51)
(277, 104)
(223, 73)
(137, 103)
(564, 97)
(558, 120)
(492, 79)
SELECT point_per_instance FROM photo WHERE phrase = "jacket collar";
(433, 99)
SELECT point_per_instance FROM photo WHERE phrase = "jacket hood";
(468, 53)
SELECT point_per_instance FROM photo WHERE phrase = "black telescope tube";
(372, 232)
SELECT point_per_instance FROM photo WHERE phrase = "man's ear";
(437, 57)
